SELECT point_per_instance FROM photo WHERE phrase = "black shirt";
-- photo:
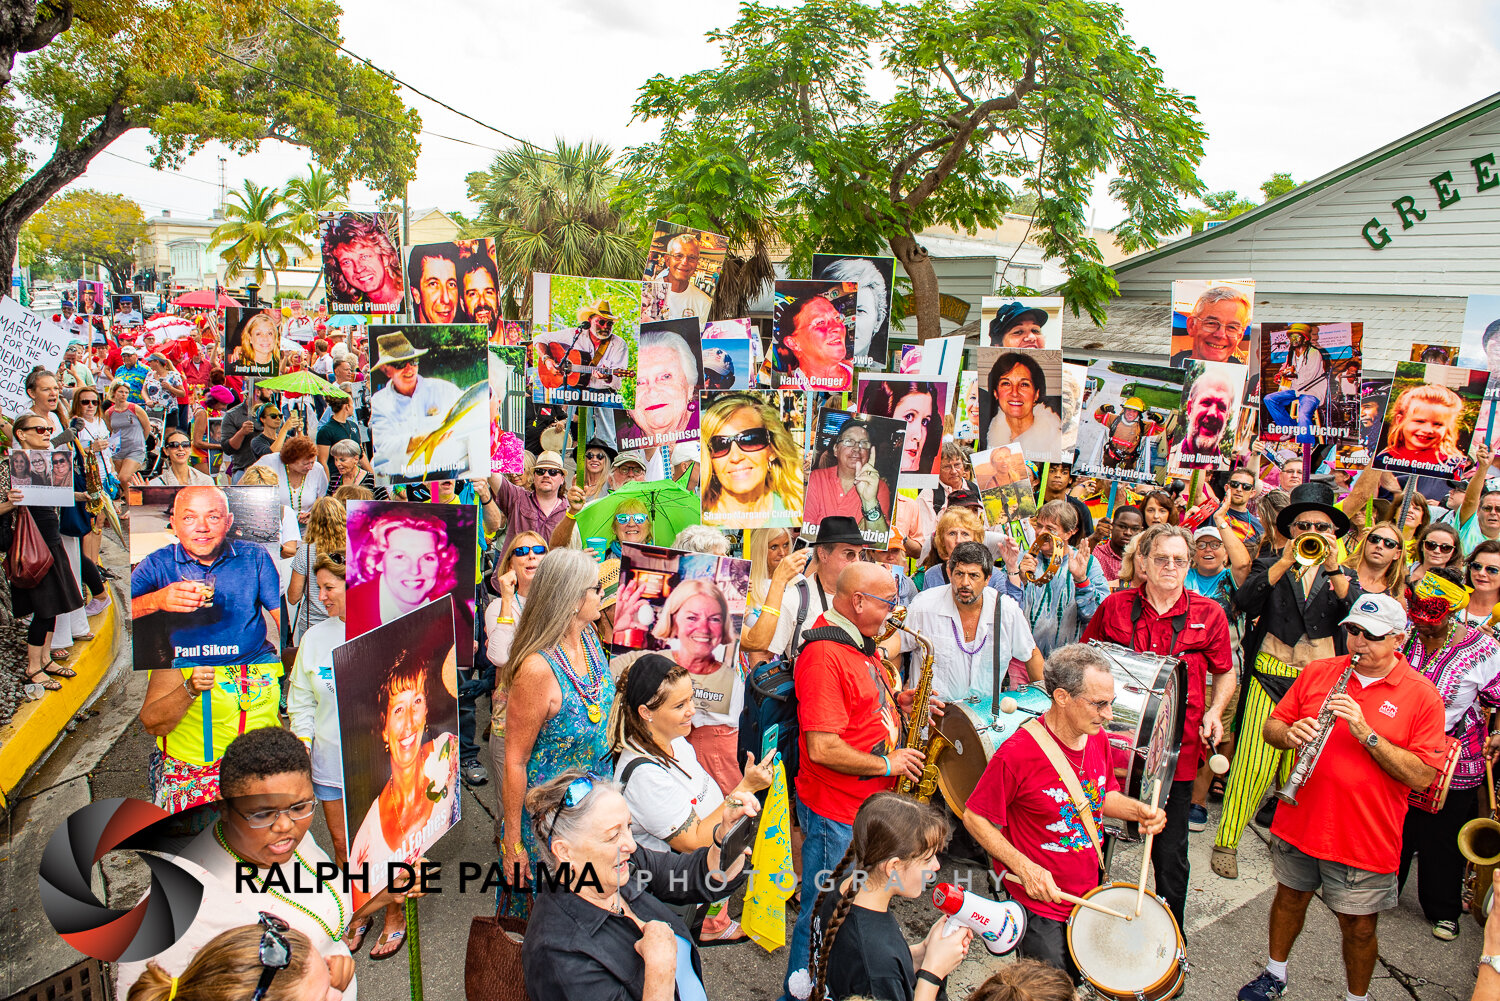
(870, 955)
(576, 950)
(243, 457)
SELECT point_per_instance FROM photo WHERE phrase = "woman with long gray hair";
(560, 693)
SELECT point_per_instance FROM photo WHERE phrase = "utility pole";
(223, 190)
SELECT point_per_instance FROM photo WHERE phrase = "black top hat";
(1311, 497)
(602, 446)
(838, 528)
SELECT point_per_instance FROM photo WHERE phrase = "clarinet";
(1307, 758)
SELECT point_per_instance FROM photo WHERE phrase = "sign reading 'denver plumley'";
(1447, 190)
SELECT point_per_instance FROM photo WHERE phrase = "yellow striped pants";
(1255, 761)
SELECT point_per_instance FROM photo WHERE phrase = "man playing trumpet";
(1384, 739)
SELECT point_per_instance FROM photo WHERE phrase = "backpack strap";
(1081, 803)
(804, 593)
(644, 759)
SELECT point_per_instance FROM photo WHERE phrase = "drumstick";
(1076, 900)
(1140, 892)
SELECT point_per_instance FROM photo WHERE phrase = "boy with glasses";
(1241, 494)
(1295, 611)
(1162, 616)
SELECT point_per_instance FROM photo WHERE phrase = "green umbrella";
(302, 381)
(670, 506)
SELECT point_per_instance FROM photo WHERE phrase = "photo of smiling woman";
(398, 729)
(1020, 401)
(853, 473)
(403, 555)
(752, 463)
(813, 332)
(919, 406)
(254, 346)
(668, 362)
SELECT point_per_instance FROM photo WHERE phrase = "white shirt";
(791, 600)
(396, 419)
(222, 908)
(1042, 442)
(663, 800)
(691, 301)
(963, 668)
(311, 703)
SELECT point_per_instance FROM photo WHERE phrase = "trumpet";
(1311, 549)
(1054, 562)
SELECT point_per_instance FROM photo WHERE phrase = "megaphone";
(1000, 924)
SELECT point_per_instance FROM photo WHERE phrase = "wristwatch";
(1372, 739)
(871, 513)
(1493, 962)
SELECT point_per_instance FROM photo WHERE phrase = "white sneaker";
(96, 606)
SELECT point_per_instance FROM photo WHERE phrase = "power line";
(397, 80)
(160, 170)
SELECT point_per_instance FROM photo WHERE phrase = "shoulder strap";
(995, 658)
(803, 592)
(1065, 772)
(644, 759)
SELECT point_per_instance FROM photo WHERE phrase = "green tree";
(258, 230)
(1278, 185)
(1217, 206)
(86, 225)
(553, 213)
(307, 196)
(990, 98)
(237, 73)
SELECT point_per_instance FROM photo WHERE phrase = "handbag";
(492, 961)
(29, 559)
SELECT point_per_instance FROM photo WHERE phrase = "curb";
(38, 727)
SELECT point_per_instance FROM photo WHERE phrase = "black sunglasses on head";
(749, 440)
(275, 952)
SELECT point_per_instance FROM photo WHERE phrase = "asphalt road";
(1226, 934)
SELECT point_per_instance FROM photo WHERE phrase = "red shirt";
(1204, 645)
(1350, 810)
(842, 691)
(1021, 793)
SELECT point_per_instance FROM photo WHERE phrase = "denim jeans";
(1279, 404)
(473, 684)
(824, 843)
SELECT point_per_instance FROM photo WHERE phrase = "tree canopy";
(259, 229)
(977, 102)
(92, 226)
(209, 70)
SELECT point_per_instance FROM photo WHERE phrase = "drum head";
(1124, 957)
(974, 737)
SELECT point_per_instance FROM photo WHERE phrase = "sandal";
(62, 653)
(356, 937)
(57, 670)
(732, 934)
(46, 682)
(398, 936)
(1225, 862)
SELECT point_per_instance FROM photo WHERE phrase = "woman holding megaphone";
(857, 943)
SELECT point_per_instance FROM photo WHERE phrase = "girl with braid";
(857, 944)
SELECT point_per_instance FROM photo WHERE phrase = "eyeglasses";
(632, 518)
(33, 427)
(91, 402)
(863, 446)
(595, 456)
(1487, 568)
(1354, 630)
(1437, 547)
(179, 444)
(335, 557)
(875, 597)
(1241, 485)
(1098, 705)
(265, 818)
(572, 796)
(749, 440)
(1211, 326)
(402, 366)
(1170, 562)
(1313, 526)
(1208, 544)
(1384, 541)
(275, 952)
(529, 551)
(548, 471)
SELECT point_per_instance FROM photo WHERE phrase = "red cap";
(948, 898)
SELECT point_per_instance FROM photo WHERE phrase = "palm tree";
(308, 196)
(258, 230)
(554, 212)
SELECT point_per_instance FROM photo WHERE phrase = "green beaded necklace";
(337, 900)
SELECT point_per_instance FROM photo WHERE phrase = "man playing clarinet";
(1036, 809)
(1343, 834)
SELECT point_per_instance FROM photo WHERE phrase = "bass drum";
(1139, 960)
(974, 736)
(1145, 732)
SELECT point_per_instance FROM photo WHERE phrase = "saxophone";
(1307, 758)
(921, 716)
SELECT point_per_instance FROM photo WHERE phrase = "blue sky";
(1280, 84)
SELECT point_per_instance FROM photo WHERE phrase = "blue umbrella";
(347, 320)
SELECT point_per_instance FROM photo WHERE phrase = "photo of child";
(1430, 420)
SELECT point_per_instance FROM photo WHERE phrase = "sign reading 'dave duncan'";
(26, 340)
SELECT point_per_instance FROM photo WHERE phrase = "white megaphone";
(998, 923)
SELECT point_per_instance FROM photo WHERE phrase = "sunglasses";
(33, 427)
(749, 440)
(179, 444)
(529, 551)
(1437, 547)
(548, 471)
(1354, 630)
(265, 818)
(595, 456)
(1241, 486)
(572, 796)
(1313, 526)
(1487, 568)
(335, 556)
(92, 401)
(275, 952)
(1384, 542)
(630, 519)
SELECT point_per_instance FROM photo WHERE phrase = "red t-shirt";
(841, 690)
(1350, 810)
(1204, 645)
(1022, 794)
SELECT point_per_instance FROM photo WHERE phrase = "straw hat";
(395, 349)
(600, 308)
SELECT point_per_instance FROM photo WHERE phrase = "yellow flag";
(773, 881)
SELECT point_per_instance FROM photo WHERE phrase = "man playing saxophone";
(1384, 737)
